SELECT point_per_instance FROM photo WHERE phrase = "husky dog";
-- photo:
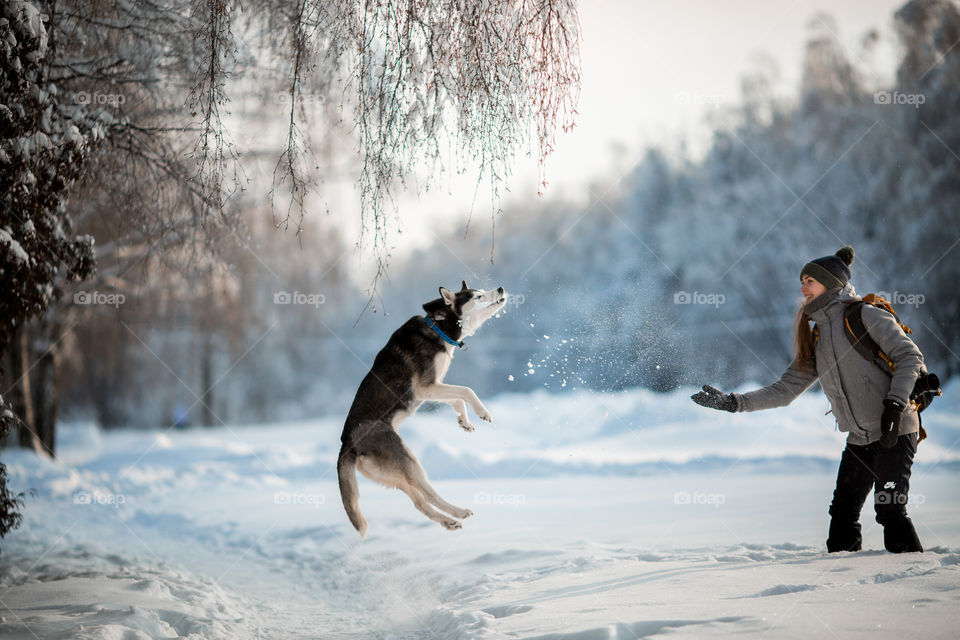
(406, 372)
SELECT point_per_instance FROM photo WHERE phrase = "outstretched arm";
(794, 381)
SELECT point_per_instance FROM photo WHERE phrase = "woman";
(873, 408)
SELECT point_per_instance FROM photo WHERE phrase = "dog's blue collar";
(439, 332)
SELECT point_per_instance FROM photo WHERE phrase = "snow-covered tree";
(43, 148)
(416, 77)
(135, 99)
(45, 142)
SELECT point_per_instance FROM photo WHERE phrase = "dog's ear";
(434, 306)
(465, 287)
(448, 296)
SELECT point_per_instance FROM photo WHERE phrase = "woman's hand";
(890, 423)
(715, 399)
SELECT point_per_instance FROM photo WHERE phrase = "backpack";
(927, 386)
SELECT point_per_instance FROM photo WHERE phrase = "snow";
(31, 21)
(15, 248)
(72, 135)
(621, 515)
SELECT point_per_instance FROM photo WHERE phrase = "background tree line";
(784, 181)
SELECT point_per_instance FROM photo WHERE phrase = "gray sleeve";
(891, 339)
(794, 381)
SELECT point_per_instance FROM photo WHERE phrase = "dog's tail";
(347, 473)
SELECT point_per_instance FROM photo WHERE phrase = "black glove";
(890, 423)
(715, 399)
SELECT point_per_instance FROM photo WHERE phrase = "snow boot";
(900, 536)
(844, 536)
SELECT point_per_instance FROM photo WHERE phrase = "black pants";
(887, 472)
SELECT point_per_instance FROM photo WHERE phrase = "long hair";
(804, 342)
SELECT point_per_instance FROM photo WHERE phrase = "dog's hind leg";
(423, 505)
(418, 477)
(399, 476)
(435, 499)
(386, 460)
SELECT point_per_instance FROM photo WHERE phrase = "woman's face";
(810, 287)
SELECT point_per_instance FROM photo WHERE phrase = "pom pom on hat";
(831, 271)
(846, 254)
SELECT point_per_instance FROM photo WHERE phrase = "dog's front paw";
(483, 414)
(465, 425)
(451, 525)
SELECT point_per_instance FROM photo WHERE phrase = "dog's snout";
(500, 290)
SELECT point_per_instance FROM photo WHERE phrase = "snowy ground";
(597, 516)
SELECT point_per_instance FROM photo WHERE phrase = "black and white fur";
(406, 372)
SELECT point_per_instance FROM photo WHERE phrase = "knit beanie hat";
(831, 271)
